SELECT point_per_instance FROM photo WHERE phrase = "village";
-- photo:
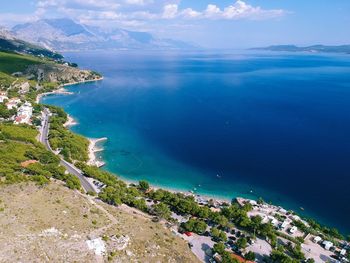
(245, 246)
(21, 111)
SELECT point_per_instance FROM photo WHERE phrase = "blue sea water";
(228, 124)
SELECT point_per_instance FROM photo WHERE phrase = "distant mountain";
(9, 43)
(65, 34)
(314, 48)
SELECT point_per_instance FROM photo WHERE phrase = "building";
(273, 221)
(342, 252)
(24, 114)
(317, 239)
(12, 103)
(282, 210)
(284, 224)
(293, 230)
(24, 88)
(327, 244)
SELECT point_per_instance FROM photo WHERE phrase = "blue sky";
(209, 23)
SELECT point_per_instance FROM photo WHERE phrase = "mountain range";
(314, 48)
(66, 34)
(10, 43)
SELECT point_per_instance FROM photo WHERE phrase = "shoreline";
(70, 122)
(93, 149)
(62, 91)
(95, 161)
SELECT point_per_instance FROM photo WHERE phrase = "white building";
(2, 98)
(282, 210)
(273, 220)
(24, 114)
(293, 230)
(327, 244)
(317, 239)
(284, 224)
(343, 252)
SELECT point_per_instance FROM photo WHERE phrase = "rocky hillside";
(65, 34)
(55, 224)
(9, 43)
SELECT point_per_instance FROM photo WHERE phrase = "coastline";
(93, 149)
(62, 91)
(70, 122)
(95, 161)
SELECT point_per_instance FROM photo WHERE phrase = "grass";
(11, 62)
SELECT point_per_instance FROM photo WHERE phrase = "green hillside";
(11, 62)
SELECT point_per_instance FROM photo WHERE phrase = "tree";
(279, 257)
(242, 242)
(250, 256)
(161, 210)
(255, 222)
(140, 204)
(218, 235)
(195, 225)
(143, 185)
(219, 248)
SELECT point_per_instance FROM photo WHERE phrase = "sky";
(207, 23)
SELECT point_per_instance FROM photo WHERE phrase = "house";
(24, 114)
(273, 220)
(342, 252)
(282, 211)
(327, 244)
(317, 239)
(253, 202)
(293, 229)
(12, 103)
(284, 224)
(2, 98)
(24, 88)
(240, 259)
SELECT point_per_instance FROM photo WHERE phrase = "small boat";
(302, 208)
(218, 176)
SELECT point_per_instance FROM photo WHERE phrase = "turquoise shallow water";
(270, 125)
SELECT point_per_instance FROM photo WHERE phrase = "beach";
(70, 121)
(59, 91)
(62, 91)
(93, 149)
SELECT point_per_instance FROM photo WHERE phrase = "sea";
(224, 124)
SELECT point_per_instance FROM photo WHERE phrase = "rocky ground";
(55, 224)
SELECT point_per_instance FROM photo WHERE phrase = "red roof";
(240, 259)
(188, 234)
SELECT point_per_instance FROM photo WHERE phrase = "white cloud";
(144, 9)
(170, 11)
(190, 13)
(136, 12)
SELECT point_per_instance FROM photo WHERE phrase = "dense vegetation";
(71, 146)
(18, 145)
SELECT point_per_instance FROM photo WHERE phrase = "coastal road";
(69, 167)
